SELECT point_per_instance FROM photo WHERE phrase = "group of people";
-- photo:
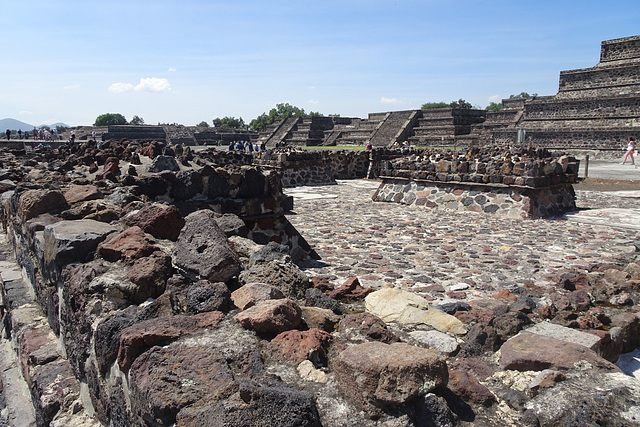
(38, 135)
(245, 146)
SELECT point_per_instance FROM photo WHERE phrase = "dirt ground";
(598, 184)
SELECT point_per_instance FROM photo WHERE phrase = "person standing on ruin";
(631, 147)
(8, 134)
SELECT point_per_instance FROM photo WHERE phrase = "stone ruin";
(595, 108)
(516, 183)
(160, 290)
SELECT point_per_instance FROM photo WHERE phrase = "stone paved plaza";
(461, 255)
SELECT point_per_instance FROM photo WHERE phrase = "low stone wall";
(503, 200)
(519, 184)
(322, 167)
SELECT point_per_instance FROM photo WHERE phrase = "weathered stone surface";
(248, 295)
(316, 298)
(533, 352)
(164, 163)
(297, 346)
(187, 185)
(68, 241)
(141, 336)
(395, 305)
(232, 225)
(563, 333)
(271, 316)
(350, 290)
(308, 372)
(206, 296)
(203, 251)
(270, 252)
(376, 375)
(591, 399)
(445, 344)
(365, 327)
(320, 318)
(149, 275)
(255, 405)
(108, 337)
(284, 275)
(82, 193)
(132, 243)
(158, 394)
(161, 221)
(35, 202)
(469, 388)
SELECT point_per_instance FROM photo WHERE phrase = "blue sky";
(190, 60)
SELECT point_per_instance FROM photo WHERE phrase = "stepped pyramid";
(595, 108)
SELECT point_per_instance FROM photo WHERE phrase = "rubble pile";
(155, 287)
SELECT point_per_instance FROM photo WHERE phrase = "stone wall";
(321, 167)
(503, 200)
(511, 184)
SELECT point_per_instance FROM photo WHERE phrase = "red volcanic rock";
(271, 316)
(376, 375)
(249, 294)
(82, 193)
(469, 388)
(162, 222)
(150, 275)
(351, 290)
(132, 243)
(298, 346)
(533, 352)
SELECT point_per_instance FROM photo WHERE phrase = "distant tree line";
(109, 119)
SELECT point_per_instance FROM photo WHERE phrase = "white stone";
(436, 340)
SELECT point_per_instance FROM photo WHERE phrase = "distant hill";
(14, 124)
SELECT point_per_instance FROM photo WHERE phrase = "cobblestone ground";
(388, 244)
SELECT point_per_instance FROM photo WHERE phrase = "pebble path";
(453, 255)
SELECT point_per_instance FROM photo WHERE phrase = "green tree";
(136, 120)
(461, 103)
(433, 105)
(203, 124)
(494, 106)
(229, 122)
(281, 111)
(110, 119)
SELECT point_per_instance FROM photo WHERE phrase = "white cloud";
(26, 113)
(121, 87)
(150, 84)
(384, 100)
(172, 69)
(313, 101)
(494, 98)
(153, 84)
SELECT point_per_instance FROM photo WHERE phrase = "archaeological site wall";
(515, 185)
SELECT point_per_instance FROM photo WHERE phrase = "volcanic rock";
(202, 250)
(376, 376)
(271, 316)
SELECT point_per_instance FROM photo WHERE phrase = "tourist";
(231, 145)
(369, 146)
(73, 136)
(8, 134)
(630, 149)
(19, 133)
